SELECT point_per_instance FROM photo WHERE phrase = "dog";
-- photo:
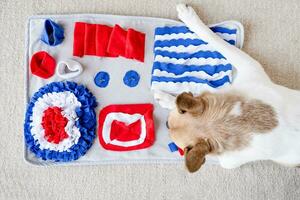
(253, 119)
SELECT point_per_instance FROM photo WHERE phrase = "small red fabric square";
(117, 41)
(126, 127)
(90, 39)
(135, 45)
(78, 43)
(103, 33)
(125, 132)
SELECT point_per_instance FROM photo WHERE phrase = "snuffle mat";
(76, 103)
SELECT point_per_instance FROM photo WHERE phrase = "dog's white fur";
(282, 144)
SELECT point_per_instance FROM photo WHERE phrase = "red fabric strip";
(90, 39)
(79, 35)
(117, 41)
(103, 33)
(135, 45)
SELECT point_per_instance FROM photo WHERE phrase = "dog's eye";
(181, 111)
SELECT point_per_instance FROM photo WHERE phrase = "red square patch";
(126, 127)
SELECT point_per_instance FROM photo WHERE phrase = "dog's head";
(186, 129)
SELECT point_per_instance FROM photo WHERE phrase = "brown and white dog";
(253, 119)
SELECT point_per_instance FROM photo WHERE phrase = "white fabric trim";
(189, 49)
(177, 88)
(127, 119)
(192, 36)
(68, 102)
(176, 36)
(192, 61)
(197, 74)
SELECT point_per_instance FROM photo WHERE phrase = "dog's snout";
(167, 124)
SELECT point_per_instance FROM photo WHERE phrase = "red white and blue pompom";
(60, 122)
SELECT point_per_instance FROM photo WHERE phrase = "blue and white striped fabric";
(184, 62)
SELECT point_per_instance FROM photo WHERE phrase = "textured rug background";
(272, 30)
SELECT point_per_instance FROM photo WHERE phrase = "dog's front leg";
(247, 68)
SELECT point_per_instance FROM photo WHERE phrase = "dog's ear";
(186, 102)
(195, 155)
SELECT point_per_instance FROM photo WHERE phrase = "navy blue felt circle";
(86, 122)
(101, 79)
(131, 78)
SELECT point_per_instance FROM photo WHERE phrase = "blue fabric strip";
(214, 84)
(184, 29)
(199, 54)
(230, 41)
(223, 30)
(178, 42)
(178, 69)
(171, 30)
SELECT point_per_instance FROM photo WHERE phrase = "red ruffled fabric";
(105, 41)
(54, 124)
(42, 64)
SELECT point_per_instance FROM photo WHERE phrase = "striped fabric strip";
(178, 42)
(184, 55)
(178, 69)
(215, 83)
(185, 62)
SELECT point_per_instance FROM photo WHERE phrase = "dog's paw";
(165, 100)
(185, 12)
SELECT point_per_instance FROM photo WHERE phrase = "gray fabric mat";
(272, 32)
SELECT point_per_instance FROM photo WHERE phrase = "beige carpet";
(272, 30)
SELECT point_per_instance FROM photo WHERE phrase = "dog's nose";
(167, 124)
